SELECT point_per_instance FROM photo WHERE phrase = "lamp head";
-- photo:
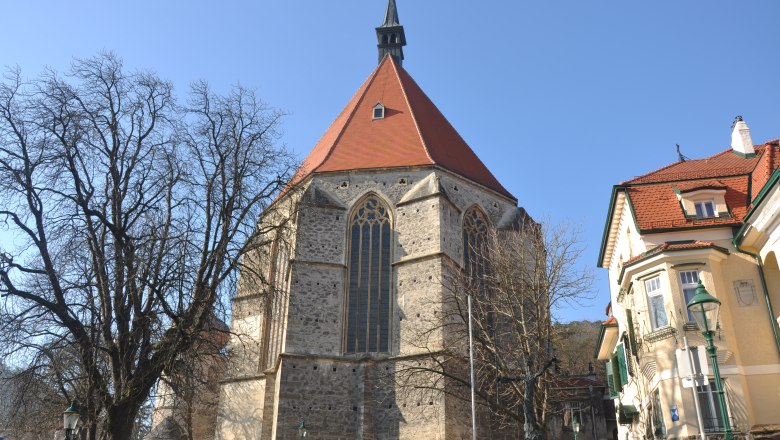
(70, 417)
(704, 308)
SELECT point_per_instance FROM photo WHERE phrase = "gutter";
(773, 179)
(772, 321)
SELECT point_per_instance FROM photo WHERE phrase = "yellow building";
(666, 231)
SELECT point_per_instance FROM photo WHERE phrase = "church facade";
(378, 209)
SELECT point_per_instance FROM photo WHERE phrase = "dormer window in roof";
(379, 111)
(705, 209)
(705, 202)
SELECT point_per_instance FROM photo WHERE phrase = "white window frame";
(653, 294)
(380, 109)
(689, 279)
(700, 207)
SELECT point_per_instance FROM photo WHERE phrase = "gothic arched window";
(368, 297)
(475, 229)
(276, 311)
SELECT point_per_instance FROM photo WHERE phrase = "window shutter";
(631, 335)
(627, 348)
(616, 373)
(611, 380)
(621, 356)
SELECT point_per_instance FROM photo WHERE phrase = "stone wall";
(360, 395)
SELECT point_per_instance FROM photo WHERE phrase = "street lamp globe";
(704, 308)
(70, 418)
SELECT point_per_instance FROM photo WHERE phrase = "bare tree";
(30, 404)
(128, 215)
(516, 279)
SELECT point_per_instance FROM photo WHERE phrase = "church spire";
(390, 35)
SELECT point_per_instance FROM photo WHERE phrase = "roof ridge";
(411, 110)
(669, 166)
(364, 88)
(674, 177)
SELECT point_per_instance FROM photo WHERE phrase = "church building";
(383, 201)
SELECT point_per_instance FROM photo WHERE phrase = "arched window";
(276, 310)
(368, 297)
(475, 229)
(476, 254)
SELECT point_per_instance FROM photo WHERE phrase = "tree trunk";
(530, 428)
(120, 423)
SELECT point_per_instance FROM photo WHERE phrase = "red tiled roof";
(696, 185)
(610, 321)
(726, 163)
(675, 246)
(412, 133)
(655, 203)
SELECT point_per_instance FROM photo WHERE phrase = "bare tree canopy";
(128, 215)
(516, 279)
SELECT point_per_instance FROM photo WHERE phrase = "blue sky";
(560, 99)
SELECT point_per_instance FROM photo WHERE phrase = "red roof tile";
(726, 163)
(675, 246)
(696, 185)
(412, 133)
(655, 203)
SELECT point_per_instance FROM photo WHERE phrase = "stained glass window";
(368, 298)
(276, 312)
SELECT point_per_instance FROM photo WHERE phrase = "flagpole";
(471, 374)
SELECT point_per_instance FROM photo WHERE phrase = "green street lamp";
(70, 418)
(575, 426)
(705, 308)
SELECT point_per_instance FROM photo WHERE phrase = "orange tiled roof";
(726, 163)
(695, 185)
(655, 203)
(675, 246)
(412, 133)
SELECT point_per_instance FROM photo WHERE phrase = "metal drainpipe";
(772, 320)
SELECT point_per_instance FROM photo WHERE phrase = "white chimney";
(741, 142)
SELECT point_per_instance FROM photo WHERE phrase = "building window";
(475, 229)
(655, 429)
(710, 410)
(705, 209)
(571, 410)
(655, 303)
(688, 281)
(379, 111)
(368, 299)
(276, 310)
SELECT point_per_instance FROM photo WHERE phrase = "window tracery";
(368, 297)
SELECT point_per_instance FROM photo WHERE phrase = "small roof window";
(379, 111)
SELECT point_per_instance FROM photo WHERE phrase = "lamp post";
(575, 426)
(70, 418)
(302, 430)
(705, 308)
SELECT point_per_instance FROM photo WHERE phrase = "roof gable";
(413, 132)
